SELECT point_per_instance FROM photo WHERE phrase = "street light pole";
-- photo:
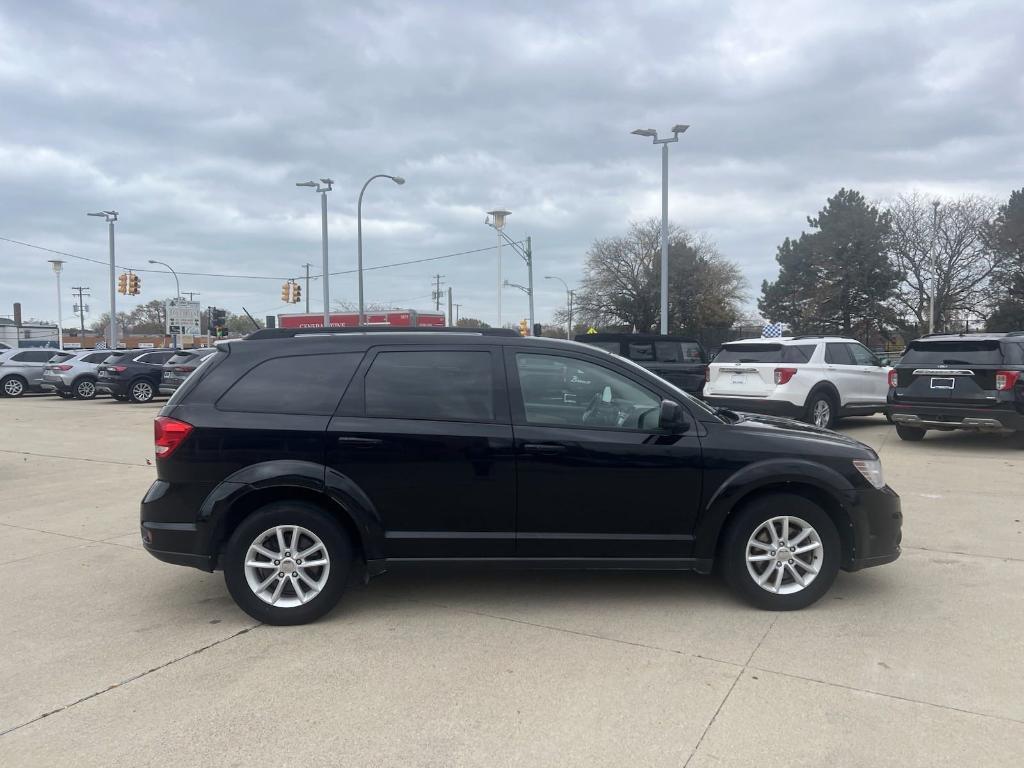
(359, 229)
(111, 217)
(323, 187)
(497, 221)
(935, 266)
(653, 134)
(177, 288)
(58, 265)
(568, 304)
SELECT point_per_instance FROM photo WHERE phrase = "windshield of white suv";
(765, 353)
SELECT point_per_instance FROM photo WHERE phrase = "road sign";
(182, 317)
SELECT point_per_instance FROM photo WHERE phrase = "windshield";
(953, 353)
(765, 353)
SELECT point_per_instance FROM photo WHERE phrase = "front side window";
(862, 355)
(564, 391)
(432, 385)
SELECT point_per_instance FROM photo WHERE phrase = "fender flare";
(776, 474)
(305, 475)
(829, 387)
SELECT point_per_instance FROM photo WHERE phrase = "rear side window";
(99, 357)
(641, 352)
(443, 386)
(765, 353)
(298, 384)
(40, 356)
(115, 358)
(677, 352)
(953, 353)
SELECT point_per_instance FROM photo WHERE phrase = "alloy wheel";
(86, 390)
(287, 566)
(142, 391)
(13, 387)
(822, 413)
(784, 555)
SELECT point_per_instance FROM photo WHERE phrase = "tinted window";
(641, 352)
(155, 358)
(765, 353)
(299, 384)
(447, 386)
(677, 352)
(99, 357)
(838, 354)
(34, 356)
(60, 357)
(953, 353)
(565, 391)
(116, 357)
(862, 355)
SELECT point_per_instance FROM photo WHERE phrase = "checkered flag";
(771, 331)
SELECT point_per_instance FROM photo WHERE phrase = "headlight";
(872, 471)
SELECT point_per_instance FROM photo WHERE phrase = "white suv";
(817, 379)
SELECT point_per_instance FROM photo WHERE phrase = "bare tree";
(954, 237)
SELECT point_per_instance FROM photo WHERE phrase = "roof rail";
(1015, 333)
(815, 336)
(287, 333)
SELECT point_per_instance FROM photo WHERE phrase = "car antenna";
(255, 325)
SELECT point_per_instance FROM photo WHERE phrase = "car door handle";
(544, 448)
(360, 442)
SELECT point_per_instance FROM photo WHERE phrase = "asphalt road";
(111, 658)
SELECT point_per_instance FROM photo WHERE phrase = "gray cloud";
(196, 121)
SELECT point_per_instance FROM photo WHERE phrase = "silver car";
(75, 376)
(21, 370)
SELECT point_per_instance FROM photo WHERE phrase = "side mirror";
(884, 362)
(671, 417)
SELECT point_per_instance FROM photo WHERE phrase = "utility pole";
(932, 308)
(529, 275)
(81, 306)
(191, 294)
(307, 266)
(457, 308)
(111, 217)
(325, 186)
(437, 292)
(450, 323)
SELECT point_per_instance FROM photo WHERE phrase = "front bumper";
(1006, 419)
(876, 529)
(782, 408)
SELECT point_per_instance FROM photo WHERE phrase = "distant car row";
(134, 375)
(967, 381)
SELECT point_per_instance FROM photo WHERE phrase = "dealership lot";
(112, 658)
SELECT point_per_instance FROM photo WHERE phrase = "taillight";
(184, 368)
(169, 434)
(893, 380)
(117, 368)
(783, 375)
(1006, 380)
(62, 367)
(707, 373)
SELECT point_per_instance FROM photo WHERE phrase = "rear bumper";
(877, 530)
(166, 536)
(782, 408)
(112, 386)
(953, 417)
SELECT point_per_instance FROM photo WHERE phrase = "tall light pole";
(359, 228)
(177, 287)
(568, 304)
(111, 217)
(498, 222)
(653, 134)
(323, 187)
(58, 265)
(935, 266)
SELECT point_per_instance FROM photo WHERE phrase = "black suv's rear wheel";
(287, 563)
(141, 391)
(781, 552)
(913, 434)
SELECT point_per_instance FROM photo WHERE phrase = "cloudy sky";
(195, 120)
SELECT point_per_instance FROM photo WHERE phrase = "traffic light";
(134, 284)
(524, 327)
(122, 283)
(537, 330)
(286, 293)
(296, 293)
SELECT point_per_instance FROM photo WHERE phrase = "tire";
(85, 389)
(12, 386)
(141, 391)
(259, 527)
(821, 399)
(911, 434)
(752, 520)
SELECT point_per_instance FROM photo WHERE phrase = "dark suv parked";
(676, 359)
(180, 367)
(971, 381)
(132, 374)
(290, 458)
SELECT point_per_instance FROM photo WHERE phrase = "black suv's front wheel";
(781, 552)
(287, 563)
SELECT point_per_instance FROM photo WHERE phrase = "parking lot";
(113, 658)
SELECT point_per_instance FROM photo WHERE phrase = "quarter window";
(432, 385)
(566, 391)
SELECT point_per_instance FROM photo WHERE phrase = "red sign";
(404, 318)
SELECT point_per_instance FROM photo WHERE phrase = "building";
(31, 334)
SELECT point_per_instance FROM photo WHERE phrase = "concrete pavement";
(112, 658)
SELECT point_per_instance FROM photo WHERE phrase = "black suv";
(971, 381)
(295, 459)
(132, 374)
(676, 359)
(180, 367)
